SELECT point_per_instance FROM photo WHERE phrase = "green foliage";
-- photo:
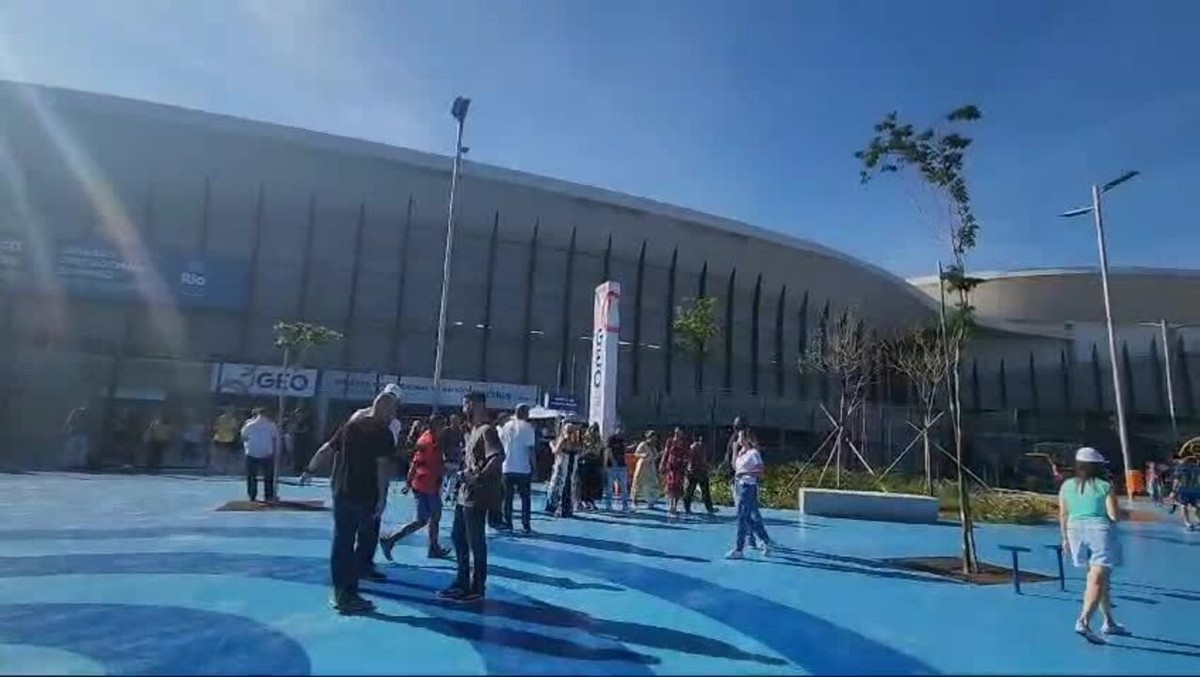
(1005, 507)
(937, 156)
(301, 335)
(695, 325)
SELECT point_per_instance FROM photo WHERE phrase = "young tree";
(936, 158)
(920, 355)
(850, 355)
(295, 339)
(695, 327)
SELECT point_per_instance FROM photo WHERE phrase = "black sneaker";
(452, 592)
(439, 553)
(352, 605)
(470, 597)
(386, 544)
(374, 575)
(526, 531)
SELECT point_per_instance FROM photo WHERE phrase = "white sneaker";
(735, 554)
(1115, 630)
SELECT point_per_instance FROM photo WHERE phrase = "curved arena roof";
(1056, 295)
(54, 97)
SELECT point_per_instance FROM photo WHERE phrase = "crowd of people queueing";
(588, 469)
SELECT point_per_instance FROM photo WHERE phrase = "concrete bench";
(868, 505)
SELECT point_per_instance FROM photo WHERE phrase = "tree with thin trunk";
(696, 326)
(935, 159)
(295, 339)
(920, 356)
(848, 354)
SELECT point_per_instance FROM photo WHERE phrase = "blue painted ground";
(139, 575)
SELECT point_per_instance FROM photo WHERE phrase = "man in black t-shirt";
(363, 453)
(480, 490)
(617, 474)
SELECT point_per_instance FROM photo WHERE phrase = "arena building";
(1071, 302)
(146, 251)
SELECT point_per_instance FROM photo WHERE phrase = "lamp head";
(1119, 180)
(1076, 212)
(460, 107)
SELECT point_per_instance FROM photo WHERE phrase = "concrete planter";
(868, 505)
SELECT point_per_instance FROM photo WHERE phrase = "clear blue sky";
(750, 110)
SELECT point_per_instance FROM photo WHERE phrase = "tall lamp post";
(1118, 395)
(1164, 327)
(459, 112)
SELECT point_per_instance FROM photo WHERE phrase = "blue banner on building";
(95, 269)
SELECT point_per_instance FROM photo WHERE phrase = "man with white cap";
(1087, 513)
(363, 451)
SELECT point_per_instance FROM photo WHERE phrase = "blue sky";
(750, 110)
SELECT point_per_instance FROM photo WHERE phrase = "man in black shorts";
(363, 454)
(480, 491)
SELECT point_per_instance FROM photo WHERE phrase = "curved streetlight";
(459, 112)
(1118, 395)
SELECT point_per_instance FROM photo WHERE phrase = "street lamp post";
(1164, 327)
(459, 112)
(1118, 395)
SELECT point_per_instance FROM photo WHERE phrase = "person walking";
(697, 477)
(451, 444)
(645, 482)
(591, 469)
(362, 451)
(480, 490)
(157, 438)
(425, 482)
(748, 469)
(303, 435)
(77, 450)
(519, 439)
(369, 539)
(563, 493)
(1185, 490)
(732, 447)
(260, 443)
(617, 477)
(1087, 517)
(224, 440)
(194, 432)
(673, 468)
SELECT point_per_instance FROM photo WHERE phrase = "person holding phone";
(748, 468)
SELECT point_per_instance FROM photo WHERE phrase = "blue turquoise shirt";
(1088, 505)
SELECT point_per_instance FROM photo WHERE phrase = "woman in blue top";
(1087, 515)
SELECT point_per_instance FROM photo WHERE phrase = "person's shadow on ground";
(612, 546)
(551, 615)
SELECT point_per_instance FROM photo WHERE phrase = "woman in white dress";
(646, 485)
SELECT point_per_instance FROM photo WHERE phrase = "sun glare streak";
(115, 224)
(33, 246)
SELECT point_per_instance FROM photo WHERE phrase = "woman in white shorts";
(1087, 515)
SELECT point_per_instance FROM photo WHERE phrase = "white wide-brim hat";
(393, 390)
(1089, 455)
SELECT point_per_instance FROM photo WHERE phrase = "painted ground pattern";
(139, 575)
